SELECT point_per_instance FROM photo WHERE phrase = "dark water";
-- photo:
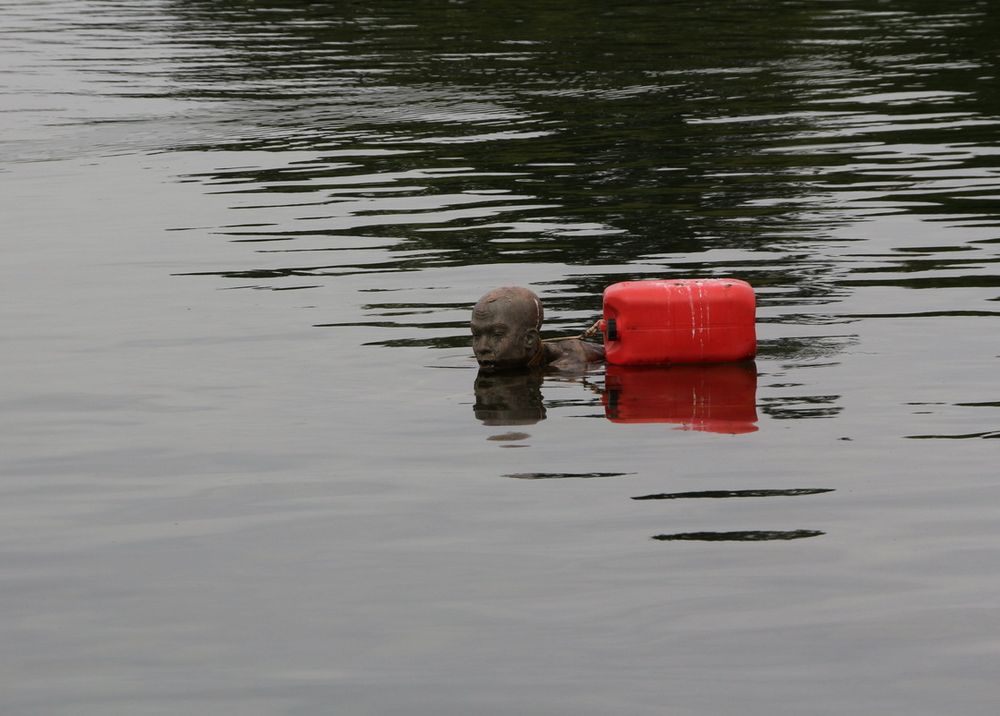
(248, 467)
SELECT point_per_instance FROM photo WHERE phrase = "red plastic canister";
(679, 321)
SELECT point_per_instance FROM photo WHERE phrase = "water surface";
(248, 466)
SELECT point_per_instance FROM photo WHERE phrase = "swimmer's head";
(505, 325)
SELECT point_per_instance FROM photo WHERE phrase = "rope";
(596, 328)
(586, 334)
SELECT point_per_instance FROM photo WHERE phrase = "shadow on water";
(711, 398)
(707, 398)
(718, 398)
(508, 398)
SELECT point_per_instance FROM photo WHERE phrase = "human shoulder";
(573, 353)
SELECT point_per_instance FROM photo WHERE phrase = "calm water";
(248, 467)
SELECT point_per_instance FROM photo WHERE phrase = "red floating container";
(679, 321)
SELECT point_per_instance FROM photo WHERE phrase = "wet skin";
(572, 354)
(505, 336)
(500, 343)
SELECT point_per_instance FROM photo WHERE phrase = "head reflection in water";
(505, 325)
(505, 336)
(509, 398)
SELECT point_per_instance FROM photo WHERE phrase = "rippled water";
(248, 465)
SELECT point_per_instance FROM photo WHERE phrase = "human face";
(498, 342)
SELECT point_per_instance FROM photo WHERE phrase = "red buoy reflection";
(718, 398)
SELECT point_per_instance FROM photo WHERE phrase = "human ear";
(531, 340)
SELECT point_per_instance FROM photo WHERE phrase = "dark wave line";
(987, 435)
(716, 494)
(924, 314)
(563, 475)
(740, 536)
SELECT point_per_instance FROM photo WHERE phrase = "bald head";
(505, 325)
(516, 302)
